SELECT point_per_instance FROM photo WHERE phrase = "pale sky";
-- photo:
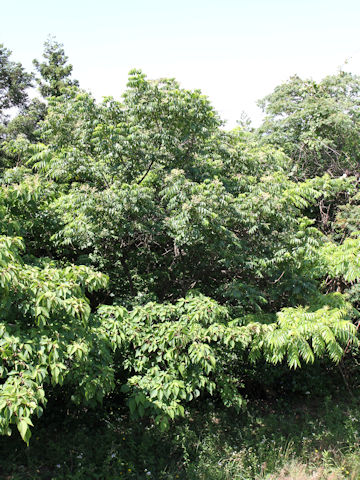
(235, 51)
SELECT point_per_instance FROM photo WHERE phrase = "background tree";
(54, 76)
(14, 85)
(14, 82)
(54, 71)
(316, 123)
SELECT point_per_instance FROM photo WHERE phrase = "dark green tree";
(14, 82)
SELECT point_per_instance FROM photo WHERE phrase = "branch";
(147, 171)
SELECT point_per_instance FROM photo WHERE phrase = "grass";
(297, 437)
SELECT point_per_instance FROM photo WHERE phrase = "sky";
(235, 51)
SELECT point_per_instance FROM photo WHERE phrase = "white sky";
(235, 51)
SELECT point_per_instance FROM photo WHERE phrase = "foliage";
(14, 82)
(54, 71)
(176, 351)
(316, 123)
(343, 260)
(166, 258)
(44, 335)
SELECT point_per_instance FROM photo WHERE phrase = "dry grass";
(299, 471)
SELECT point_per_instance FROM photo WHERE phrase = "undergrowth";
(296, 437)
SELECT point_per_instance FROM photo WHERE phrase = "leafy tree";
(164, 256)
(14, 82)
(44, 336)
(54, 72)
(14, 85)
(316, 123)
(54, 76)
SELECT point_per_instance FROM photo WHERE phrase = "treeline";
(147, 251)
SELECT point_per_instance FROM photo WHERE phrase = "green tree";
(54, 76)
(14, 82)
(164, 256)
(316, 123)
(54, 71)
(14, 85)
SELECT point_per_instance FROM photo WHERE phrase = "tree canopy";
(53, 72)
(316, 123)
(146, 250)
(14, 82)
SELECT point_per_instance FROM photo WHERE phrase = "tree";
(54, 77)
(316, 123)
(14, 82)
(54, 71)
(164, 257)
